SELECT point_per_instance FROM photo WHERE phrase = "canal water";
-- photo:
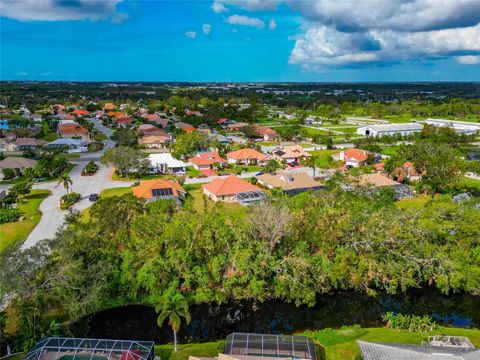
(216, 321)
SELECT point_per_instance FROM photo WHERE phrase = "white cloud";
(468, 59)
(52, 10)
(191, 34)
(219, 7)
(401, 15)
(206, 29)
(272, 24)
(245, 21)
(253, 5)
(324, 46)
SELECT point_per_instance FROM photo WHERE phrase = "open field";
(15, 232)
(207, 349)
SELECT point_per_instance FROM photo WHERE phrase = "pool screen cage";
(59, 348)
(281, 346)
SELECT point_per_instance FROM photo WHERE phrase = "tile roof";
(293, 151)
(28, 142)
(72, 128)
(246, 153)
(207, 158)
(144, 190)
(229, 185)
(376, 180)
(79, 112)
(263, 130)
(357, 154)
(289, 180)
(154, 139)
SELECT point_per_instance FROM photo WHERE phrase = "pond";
(215, 321)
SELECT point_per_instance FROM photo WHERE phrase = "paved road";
(53, 218)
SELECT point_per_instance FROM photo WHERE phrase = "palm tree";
(174, 306)
(66, 181)
(311, 162)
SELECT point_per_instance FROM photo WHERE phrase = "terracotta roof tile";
(229, 185)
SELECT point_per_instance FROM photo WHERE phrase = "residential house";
(148, 129)
(221, 121)
(62, 117)
(380, 130)
(265, 132)
(184, 126)
(232, 189)
(79, 112)
(122, 121)
(159, 189)
(151, 117)
(28, 143)
(377, 181)
(235, 126)
(69, 145)
(219, 138)
(290, 183)
(352, 157)
(165, 163)
(17, 164)
(205, 160)
(193, 113)
(73, 131)
(36, 117)
(409, 171)
(247, 156)
(109, 107)
(7, 146)
(290, 154)
(160, 122)
(155, 140)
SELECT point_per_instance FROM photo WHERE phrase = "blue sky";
(240, 40)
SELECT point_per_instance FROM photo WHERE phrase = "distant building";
(403, 129)
(352, 157)
(157, 141)
(265, 132)
(184, 126)
(460, 127)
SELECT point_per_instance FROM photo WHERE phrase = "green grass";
(390, 150)
(200, 202)
(323, 157)
(192, 172)
(16, 232)
(50, 136)
(470, 183)
(207, 349)
(85, 214)
(414, 203)
(267, 143)
(341, 344)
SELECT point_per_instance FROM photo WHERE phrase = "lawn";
(324, 156)
(85, 214)
(192, 172)
(16, 232)
(470, 183)
(390, 150)
(207, 349)
(200, 202)
(341, 344)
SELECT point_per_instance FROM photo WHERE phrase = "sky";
(240, 40)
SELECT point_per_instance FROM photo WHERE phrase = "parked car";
(93, 197)
(260, 173)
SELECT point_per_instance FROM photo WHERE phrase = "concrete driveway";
(52, 217)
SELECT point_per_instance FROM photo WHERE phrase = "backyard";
(324, 157)
(16, 232)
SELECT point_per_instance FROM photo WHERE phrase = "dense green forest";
(290, 248)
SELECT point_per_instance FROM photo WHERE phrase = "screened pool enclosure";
(281, 346)
(57, 348)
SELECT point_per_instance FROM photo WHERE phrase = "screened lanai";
(282, 346)
(58, 348)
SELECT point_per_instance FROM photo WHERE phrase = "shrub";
(8, 174)
(9, 215)
(409, 322)
(68, 200)
(90, 169)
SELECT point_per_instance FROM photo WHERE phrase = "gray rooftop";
(383, 351)
(397, 127)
